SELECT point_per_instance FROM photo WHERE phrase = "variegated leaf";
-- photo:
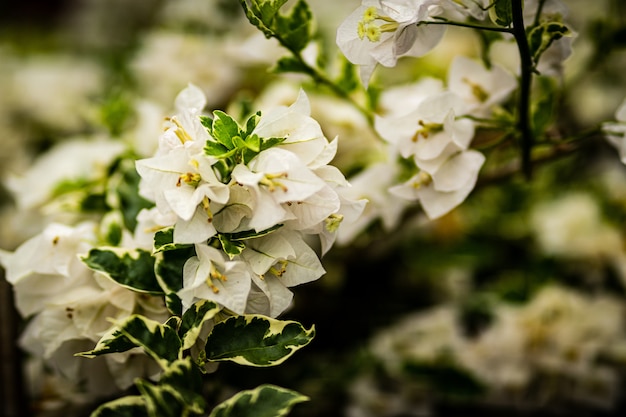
(256, 340)
(132, 269)
(194, 318)
(113, 341)
(160, 341)
(131, 406)
(263, 401)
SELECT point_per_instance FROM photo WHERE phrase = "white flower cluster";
(557, 338)
(431, 128)
(248, 198)
(70, 308)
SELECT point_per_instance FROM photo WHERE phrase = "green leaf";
(541, 37)
(294, 27)
(217, 150)
(164, 400)
(261, 13)
(543, 107)
(290, 64)
(169, 268)
(132, 269)
(256, 340)
(174, 304)
(193, 320)
(160, 341)
(267, 143)
(225, 128)
(232, 248)
(263, 401)
(252, 122)
(501, 13)
(130, 406)
(113, 341)
(127, 191)
(251, 234)
(207, 122)
(164, 241)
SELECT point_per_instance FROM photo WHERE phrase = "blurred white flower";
(481, 88)
(616, 131)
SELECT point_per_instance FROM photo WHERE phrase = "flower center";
(426, 129)
(477, 90)
(272, 181)
(190, 178)
(215, 275)
(332, 222)
(422, 179)
(370, 25)
(179, 130)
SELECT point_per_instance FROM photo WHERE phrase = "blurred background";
(513, 304)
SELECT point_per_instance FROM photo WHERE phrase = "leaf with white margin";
(133, 269)
(160, 341)
(263, 401)
(256, 340)
(178, 392)
(193, 320)
(130, 406)
(113, 341)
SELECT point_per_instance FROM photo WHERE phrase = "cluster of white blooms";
(432, 128)
(428, 126)
(559, 335)
(261, 190)
(70, 307)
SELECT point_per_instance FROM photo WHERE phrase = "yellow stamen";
(369, 15)
(477, 90)
(422, 180)
(368, 27)
(333, 221)
(426, 130)
(190, 178)
(271, 181)
(281, 270)
(180, 131)
(206, 205)
(215, 274)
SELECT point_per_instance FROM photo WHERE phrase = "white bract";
(616, 131)
(245, 197)
(71, 307)
(437, 142)
(381, 31)
(481, 88)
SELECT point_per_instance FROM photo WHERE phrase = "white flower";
(381, 31)
(447, 187)
(180, 178)
(479, 87)
(372, 184)
(277, 178)
(210, 276)
(431, 133)
(71, 306)
(79, 159)
(616, 131)
(280, 260)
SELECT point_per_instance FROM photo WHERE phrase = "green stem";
(444, 21)
(321, 78)
(523, 111)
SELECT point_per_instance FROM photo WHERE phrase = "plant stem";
(526, 71)
(444, 21)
